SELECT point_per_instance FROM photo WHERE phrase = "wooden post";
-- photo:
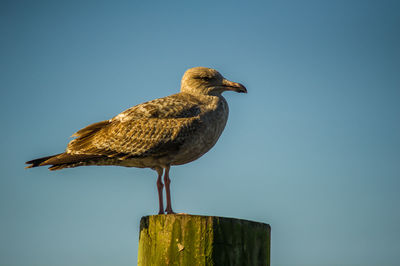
(180, 239)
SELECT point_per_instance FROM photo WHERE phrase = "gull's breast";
(212, 123)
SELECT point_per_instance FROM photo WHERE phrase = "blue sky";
(313, 149)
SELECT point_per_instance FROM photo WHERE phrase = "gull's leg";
(167, 181)
(160, 187)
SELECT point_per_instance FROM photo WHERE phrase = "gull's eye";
(205, 78)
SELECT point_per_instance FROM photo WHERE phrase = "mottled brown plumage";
(173, 130)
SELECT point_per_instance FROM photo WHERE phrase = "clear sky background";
(313, 149)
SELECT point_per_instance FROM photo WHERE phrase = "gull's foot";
(161, 212)
(169, 211)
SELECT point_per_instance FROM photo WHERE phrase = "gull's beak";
(233, 86)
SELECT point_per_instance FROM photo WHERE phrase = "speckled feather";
(142, 130)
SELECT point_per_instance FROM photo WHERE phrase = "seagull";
(157, 134)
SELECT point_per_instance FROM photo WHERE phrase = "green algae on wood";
(202, 240)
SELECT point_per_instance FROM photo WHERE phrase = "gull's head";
(207, 81)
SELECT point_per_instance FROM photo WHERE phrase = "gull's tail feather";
(39, 161)
(63, 160)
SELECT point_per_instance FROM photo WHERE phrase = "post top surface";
(193, 216)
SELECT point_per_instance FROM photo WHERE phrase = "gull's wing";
(136, 138)
(154, 128)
